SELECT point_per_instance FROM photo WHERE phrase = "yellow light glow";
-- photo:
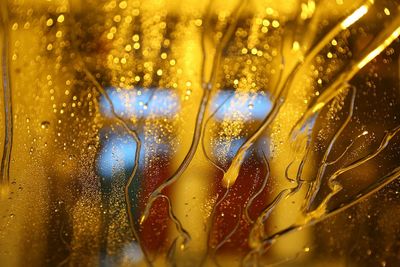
(356, 15)
(318, 107)
(296, 46)
(379, 49)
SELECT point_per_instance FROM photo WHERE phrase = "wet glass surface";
(200, 133)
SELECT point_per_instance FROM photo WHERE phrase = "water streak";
(383, 40)
(262, 188)
(322, 213)
(80, 66)
(199, 125)
(233, 170)
(7, 98)
(314, 188)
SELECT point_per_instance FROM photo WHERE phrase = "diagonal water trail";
(233, 170)
(335, 187)
(321, 213)
(268, 241)
(346, 149)
(384, 181)
(379, 43)
(256, 235)
(315, 186)
(316, 217)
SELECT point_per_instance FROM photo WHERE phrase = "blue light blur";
(140, 103)
(117, 154)
(253, 106)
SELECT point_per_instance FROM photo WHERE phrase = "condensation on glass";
(200, 133)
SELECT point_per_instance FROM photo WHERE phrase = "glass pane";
(200, 133)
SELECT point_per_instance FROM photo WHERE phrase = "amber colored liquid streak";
(8, 123)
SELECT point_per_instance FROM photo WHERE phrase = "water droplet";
(45, 125)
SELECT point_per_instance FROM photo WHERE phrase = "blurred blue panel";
(116, 156)
(140, 103)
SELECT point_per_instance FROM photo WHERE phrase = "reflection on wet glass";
(199, 133)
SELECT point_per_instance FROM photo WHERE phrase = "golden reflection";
(199, 133)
